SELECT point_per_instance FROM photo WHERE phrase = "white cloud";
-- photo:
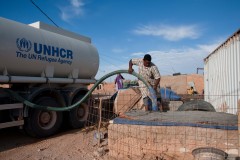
(209, 48)
(76, 3)
(105, 69)
(118, 50)
(171, 33)
(138, 54)
(72, 10)
(185, 60)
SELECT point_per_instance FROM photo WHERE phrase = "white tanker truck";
(48, 66)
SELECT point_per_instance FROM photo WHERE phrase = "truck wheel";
(78, 115)
(43, 123)
(197, 105)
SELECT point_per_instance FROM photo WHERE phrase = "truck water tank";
(33, 52)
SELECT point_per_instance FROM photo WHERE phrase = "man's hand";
(157, 81)
(130, 70)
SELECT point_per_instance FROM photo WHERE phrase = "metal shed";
(222, 76)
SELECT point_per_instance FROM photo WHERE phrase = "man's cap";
(147, 57)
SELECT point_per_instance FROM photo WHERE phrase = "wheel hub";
(80, 112)
(45, 117)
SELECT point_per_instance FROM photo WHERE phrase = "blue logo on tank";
(24, 44)
(43, 52)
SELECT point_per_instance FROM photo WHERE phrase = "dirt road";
(67, 145)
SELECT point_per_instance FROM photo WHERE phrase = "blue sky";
(178, 34)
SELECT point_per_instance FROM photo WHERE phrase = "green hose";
(30, 104)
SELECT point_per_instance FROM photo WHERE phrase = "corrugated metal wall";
(222, 76)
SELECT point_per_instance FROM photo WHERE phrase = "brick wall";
(179, 84)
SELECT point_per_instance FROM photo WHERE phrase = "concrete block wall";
(169, 142)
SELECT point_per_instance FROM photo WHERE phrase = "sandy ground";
(67, 145)
(75, 144)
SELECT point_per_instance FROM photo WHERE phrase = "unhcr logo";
(23, 44)
(43, 52)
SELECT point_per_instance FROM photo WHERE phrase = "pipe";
(30, 104)
(23, 79)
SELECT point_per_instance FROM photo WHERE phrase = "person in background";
(151, 74)
(190, 90)
(119, 82)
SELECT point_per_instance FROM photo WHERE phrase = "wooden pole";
(100, 121)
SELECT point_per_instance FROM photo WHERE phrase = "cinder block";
(136, 141)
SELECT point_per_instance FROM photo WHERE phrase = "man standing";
(150, 73)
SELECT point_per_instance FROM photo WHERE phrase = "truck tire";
(43, 123)
(78, 115)
(196, 105)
